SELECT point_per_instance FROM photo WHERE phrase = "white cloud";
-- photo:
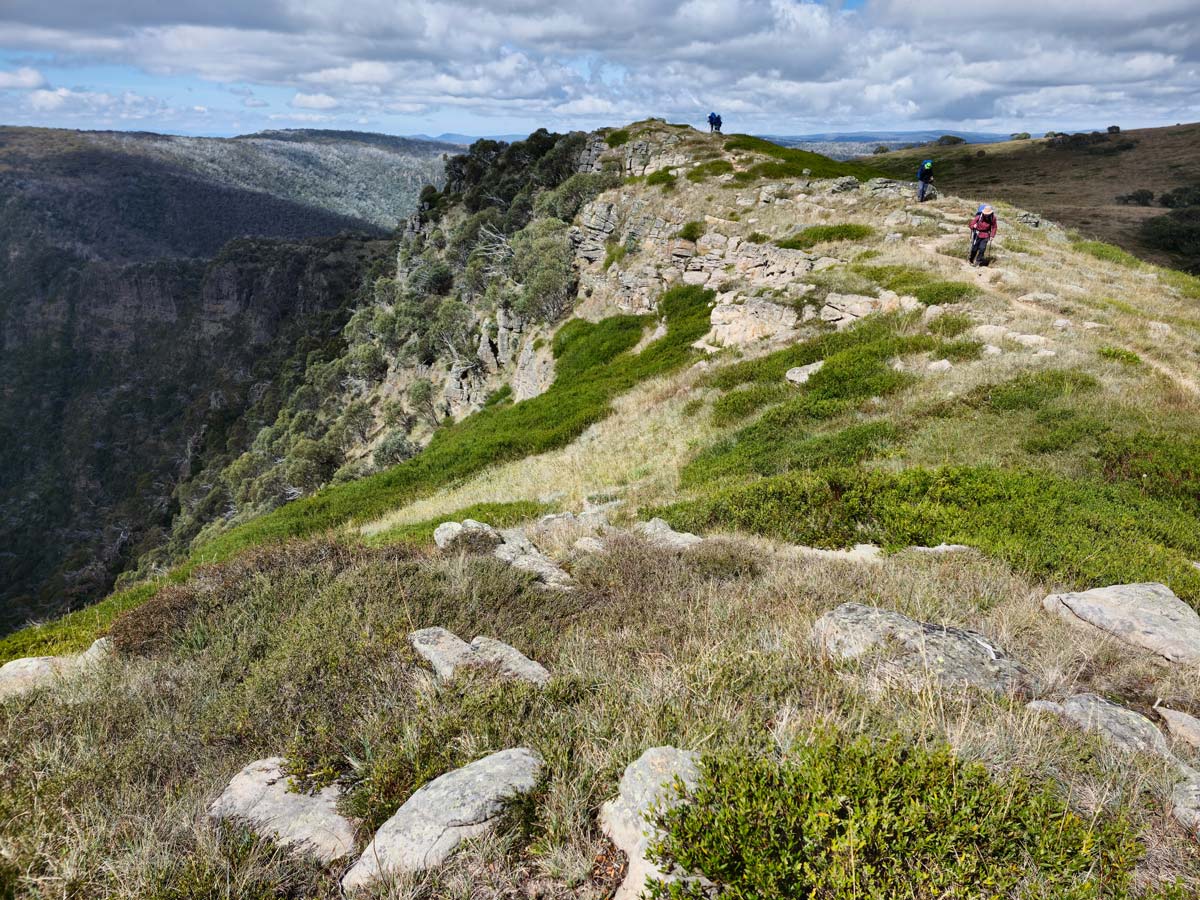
(254, 103)
(47, 101)
(23, 77)
(314, 101)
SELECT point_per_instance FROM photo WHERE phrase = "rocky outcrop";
(261, 797)
(21, 676)
(1149, 616)
(660, 534)
(535, 371)
(843, 310)
(448, 534)
(740, 324)
(520, 553)
(445, 812)
(647, 785)
(447, 654)
(1122, 728)
(800, 374)
(919, 652)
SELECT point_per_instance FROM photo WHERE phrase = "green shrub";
(918, 283)
(1031, 391)
(737, 405)
(951, 325)
(756, 237)
(394, 448)
(1059, 430)
(1107, 253)
(1160, 465)
(614, 252)
(1121, 355)
(844, 817)
(1177, 232)
(1140, 197)
(821, 234)
(950, 140)
(691, 231)
(617, 138)
(502, 394)
(709, 169)
(1181, 197)
(1079, 532)
(940, 293)
(663, 177)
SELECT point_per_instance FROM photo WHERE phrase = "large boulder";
(449, 534)
(919, 652)
(259, 796)
(1122, 728)
(648, 785)
(445, 812)
(660, 534)
(1149, 616)
(447, 653)
(20, 676)
(739, 324)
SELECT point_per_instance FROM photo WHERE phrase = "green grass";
(918, 283)
(710, 169)
(785, 162)
(824, 234)
(1107, 253)
(1079, 532)
(691, 231)
(1121, 355)
(846, 817)
(618, 138)
(498, 515)
(614, 253)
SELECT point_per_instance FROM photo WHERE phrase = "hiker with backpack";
(924, 179)
(712, 121)
(983, 229)
(717, 124)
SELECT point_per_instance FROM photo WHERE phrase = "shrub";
(1177, 232)
(1114, 129)
(950, 140)
(502, 394)
(845, 817)
(821, 234)
(940, 293)
(1140, 197)
(1181, 197)
(663, 177)
(1031, 391)
(756, 237)
(617, 138)
(787, 162)
(709, 169)
(1121, 355)
(543, 264)
(951, 325)
(614, 252)
(1160, 465)
(1021, 136)
(737, 405)
(394, 448)
(1059, 430)
(691, 231)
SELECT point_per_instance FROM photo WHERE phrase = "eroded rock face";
(951, 657)
(259, 796)
(843, 310)
(441, 815)
(20, 676)
(447, 653)
(739, 324)
(1149, 616)
(1123, 728)
(647, 784)
(660, 534)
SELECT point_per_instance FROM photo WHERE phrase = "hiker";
(983, 229)
(717, 124)
(924, 180)
(712, 121)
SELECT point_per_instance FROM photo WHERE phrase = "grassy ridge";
(786, 162)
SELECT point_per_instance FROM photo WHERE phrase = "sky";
(224, 67)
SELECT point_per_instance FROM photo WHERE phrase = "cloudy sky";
(770, 66)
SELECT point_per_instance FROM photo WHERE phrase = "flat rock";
(446, 653)
(1185, 804)
(647, 784)
(951, 657)
(862, 553)
(990, 332)
(1148, 615)
(20, 676)
(801, 374)
(442, 814)
(1182, 727)
(520, 553)
(943, 548)
(259, 796)
(660, 534)
(1027, 340)
(1122, 728)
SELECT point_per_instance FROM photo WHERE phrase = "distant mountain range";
(465, 140)
(885, 137)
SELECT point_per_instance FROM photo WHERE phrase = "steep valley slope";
(134, 325)
(662, 454)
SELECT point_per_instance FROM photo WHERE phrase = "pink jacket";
(985, 226)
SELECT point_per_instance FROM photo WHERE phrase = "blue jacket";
(925, 171)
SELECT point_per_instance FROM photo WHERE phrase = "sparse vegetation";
(618, 138)
(824, 234)
(1121, 355)
(709, 169)
(691, 231)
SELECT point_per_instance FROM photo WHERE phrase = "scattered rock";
(801, 374)
(660, 534)
(259, 795)
(1062, 323)
(1182, 727)
(1026, 340)
(19, 676)
(844, 185)
(441, 815)
(738, 324)
(448, 532)
(589, 545)
(1124, 729)
(991, 350)
(1045, 354)
(940, 365)
(1031, 219)
(952, 657)
(1185, 803)
(446, 653)
(1093, 325)
(990, 332)
(1149, 616)
(647, 785)
(520, 553)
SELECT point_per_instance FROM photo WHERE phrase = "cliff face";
(145, 300)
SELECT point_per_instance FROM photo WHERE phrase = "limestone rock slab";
(801, 374)
(443, 813)
(259, 796)
(20, 676)
(951, 657)
(446, 653)
(1123, 728)
(1149, 616)
(446, 533)
(660, 534)
(647, 784)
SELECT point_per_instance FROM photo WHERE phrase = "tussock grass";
(825, 234)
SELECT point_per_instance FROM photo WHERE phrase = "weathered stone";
(589, 545)
(1149, 616)
(991, 350)
(647, 785)
(259, 795)
(448, 810)
(1026, 340)
(801, 374)
(447, 653)
(660, 534)
(1124, 729)
(738, 324)
(446, 534)
(990, 332)
(943, 548)
(32, 672)
(1185, 804)
(940, 365)
(951, 657)
(1182, 727)
(844, 185)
